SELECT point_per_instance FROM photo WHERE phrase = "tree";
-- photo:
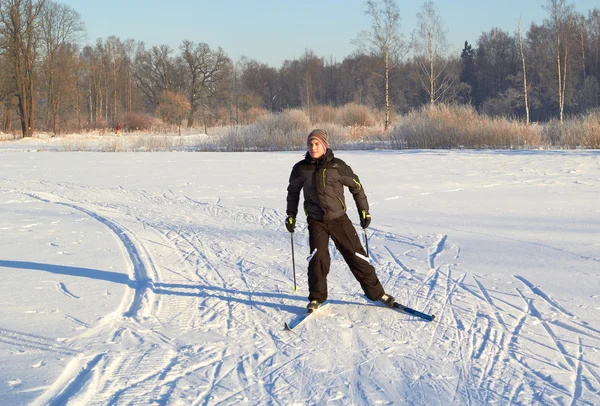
(19, 21)
(358, 84)
(173, 108)
(260, 80)
(204, 68)
(155, 72)
(116, 61)
(594, 28)
(560, 19)
(594, 34)
(61, 26)
(525, 92)
(431, 47)
(498, 60)
(468, 73)
(384, 41)
(312, 67)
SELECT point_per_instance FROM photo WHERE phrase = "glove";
(365, 219)
(290, 223)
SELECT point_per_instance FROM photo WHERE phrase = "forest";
(549, 71)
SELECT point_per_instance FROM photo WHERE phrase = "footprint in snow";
(39, 364)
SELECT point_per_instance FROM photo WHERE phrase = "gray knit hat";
(320, 135)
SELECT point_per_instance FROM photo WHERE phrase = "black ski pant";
(346, 240)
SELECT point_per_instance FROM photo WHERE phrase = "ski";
(298, 320)
(413, 312)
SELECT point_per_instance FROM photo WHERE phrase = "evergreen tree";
(468, 74)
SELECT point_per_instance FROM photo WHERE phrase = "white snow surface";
(166, 278)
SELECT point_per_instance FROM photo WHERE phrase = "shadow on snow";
(228, 294)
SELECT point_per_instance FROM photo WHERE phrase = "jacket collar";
(324, 160)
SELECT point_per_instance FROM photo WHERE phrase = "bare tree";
(594, 33)
(560, 19)
(312, 78)
(8, 98)
(525, 93)
(260, 80)
(594, 23)
(19, 21)
(580, 27)
(173, 108)
(78, 73)
(131, 47)
(203, 68)
(99, 76)
(91, 65)
(155, 72)
(116, 55)
(384, 41)
(430, 42)
(60, 26)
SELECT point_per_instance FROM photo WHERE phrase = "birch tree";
(560, 17)
(431, 47)
(525, 92)
(385, 42)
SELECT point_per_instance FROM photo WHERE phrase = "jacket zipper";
(343, 205)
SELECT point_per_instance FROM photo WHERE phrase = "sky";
(272, 31)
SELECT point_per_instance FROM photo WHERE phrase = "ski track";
(63, 289)
(193, 281)
(543, 295)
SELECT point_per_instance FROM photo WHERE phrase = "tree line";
(49, 82)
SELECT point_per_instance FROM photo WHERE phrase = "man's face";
(315, 148)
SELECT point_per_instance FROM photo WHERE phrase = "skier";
(323, 177)
(118, 130)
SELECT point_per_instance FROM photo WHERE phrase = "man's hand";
(365, 219)
(290, 223)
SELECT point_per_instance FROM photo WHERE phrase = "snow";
(166, 278)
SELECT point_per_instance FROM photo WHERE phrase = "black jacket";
(323, 181)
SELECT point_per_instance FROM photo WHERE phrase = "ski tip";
(432, 317)
(287, 326)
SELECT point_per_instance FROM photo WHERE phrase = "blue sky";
(272, 31)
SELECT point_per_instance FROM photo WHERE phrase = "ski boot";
(312, 306)
(388, 300)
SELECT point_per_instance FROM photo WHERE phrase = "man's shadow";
(249, 298)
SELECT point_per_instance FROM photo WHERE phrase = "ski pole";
(366, 241)
(293, 261)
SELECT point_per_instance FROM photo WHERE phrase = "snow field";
(166, 278)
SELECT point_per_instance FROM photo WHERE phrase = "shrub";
(323, 114)
(355, 114)
(100, 124)
(140, 122)
(173, 107)
(7, 137)
(445, 126)
(580, 131)
(253, 115)
(286, 130)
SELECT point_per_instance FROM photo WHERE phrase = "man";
(323, 177)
